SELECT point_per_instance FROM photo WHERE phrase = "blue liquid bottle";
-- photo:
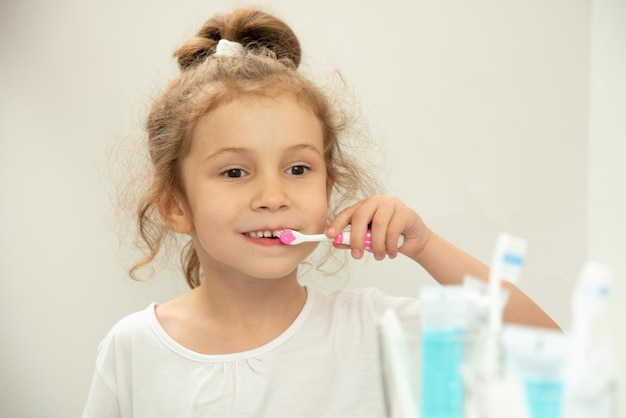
(443, 349)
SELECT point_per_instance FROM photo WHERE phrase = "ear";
(175, 213)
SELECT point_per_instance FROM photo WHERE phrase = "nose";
(270, 194)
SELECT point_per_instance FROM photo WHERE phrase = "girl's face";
(255, 166)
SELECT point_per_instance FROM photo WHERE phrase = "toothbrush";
(507, 263)
(291, 237)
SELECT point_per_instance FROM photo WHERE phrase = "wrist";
(423, 245)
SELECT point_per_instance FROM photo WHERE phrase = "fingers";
(356, 217)
(385, 216)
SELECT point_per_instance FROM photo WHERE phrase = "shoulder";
(128, 330)
(117, 347)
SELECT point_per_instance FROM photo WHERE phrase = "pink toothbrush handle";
(344, 239)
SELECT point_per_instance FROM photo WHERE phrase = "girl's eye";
(298, 170)
(234, 173)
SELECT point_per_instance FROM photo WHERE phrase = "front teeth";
(260, 234)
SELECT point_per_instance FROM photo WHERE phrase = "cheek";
(320, 211)
(221, 211)
(212, 213)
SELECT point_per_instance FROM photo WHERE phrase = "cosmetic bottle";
(591, 380)
(442, 351)
(535, 358)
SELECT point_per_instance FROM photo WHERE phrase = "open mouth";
(263, 234)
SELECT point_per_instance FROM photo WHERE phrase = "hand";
(388, 218)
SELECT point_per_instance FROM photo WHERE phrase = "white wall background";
(496, 115)
(607, 171)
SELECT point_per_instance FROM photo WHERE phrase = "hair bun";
(254, 29)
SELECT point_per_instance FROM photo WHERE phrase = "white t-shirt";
(324, 365)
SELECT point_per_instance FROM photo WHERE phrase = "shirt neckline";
(183, 351)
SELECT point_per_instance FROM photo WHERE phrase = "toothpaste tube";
(443, 349)
(535, 357)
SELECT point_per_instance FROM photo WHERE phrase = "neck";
(251, 302)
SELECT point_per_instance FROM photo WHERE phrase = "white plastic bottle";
(591, 381)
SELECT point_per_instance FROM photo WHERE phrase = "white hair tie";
(226, 48)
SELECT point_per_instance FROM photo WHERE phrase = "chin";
(274, 272)
(276, 275)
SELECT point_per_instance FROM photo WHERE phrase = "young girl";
(243, 146)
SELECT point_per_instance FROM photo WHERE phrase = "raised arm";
(447, 264)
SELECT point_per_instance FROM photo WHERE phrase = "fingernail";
(356, 253)
(331, 230)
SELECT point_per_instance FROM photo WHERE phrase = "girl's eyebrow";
(302, 147)
(233, 150)
(241, 150)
